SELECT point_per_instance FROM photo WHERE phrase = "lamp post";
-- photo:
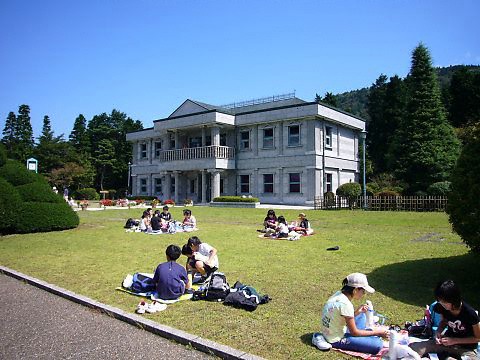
(129, 176)
(363, 136)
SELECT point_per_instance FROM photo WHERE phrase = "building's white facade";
(282, 151)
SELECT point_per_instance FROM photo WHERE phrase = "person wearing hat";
(343, 327)
(303, 226)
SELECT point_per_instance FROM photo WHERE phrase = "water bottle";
(392, 342)
(369, 315)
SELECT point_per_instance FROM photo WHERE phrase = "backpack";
(130, 223)
(218, 288)
(142, 283)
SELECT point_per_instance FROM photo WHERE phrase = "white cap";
(358, 280)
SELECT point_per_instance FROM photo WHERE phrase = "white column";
(215, 184)
(281, 188)
(204, 187)
(177, 176)
(167, 186)
(204, 137)
(215, 135)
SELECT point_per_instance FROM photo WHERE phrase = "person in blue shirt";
(170, 278)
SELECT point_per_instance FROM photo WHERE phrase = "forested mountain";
(356, 101)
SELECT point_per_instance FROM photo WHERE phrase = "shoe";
(141, 307)
(188, 291)
(319, 341)
(155, 307)
(128, 281)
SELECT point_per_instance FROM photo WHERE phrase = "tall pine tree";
(9, 133)
(427, 147)
(78, 137)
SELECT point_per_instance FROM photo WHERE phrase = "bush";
(107, 202)
(463, 202)
(350, 190)
(10, 201)
(169, 202)
(387, 193)
(17, 174)
(86, 194)
(439, 188)
(39, 192)
(42, 217)
(236, 199)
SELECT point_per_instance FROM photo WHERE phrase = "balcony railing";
(204, 152)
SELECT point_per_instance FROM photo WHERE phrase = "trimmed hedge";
(39, 192)
(86, 194)
(441, 188)
(236, 199)
(17, 174)
(141, 197)
(387, 193)
(3, 155)
(349, 190)
(10, 201)
(43, 217)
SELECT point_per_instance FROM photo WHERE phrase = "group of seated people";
(172, 280)
(345, 328)
(279, 228)
(162, 221)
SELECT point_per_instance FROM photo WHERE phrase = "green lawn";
(404, 254)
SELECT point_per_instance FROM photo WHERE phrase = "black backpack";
(218, 288)
(131, 223)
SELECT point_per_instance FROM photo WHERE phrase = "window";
(195, 142)
(268, 138)
(172, 141)
(158, 186)
(294, 182)
(223, 139)
(328, 182)
(208, 140)
(158, 148)
(221, 186)
(244, 183)
(192, 186)
(244, 140)
(143, 151)
(143, 186)
(294, 135)
(268, 183)
(328, 137)
(172, 186)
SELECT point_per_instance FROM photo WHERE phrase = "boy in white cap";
(343, 327)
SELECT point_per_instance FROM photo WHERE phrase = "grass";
(404, 255)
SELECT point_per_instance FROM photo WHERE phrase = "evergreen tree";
(463, 201)
(10, 132)
(427, 147)
(104, 158)
(78, 137)
(47, 133)
(377, 127)
(330, 99)
(24, 141)
(464, 97)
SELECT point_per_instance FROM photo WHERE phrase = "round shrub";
(329, 199)
(43, 217)
(17, 174)
(441, 188)
(10, 201)
(38, 192)
(349, 190)
(86, 194)
(463, 201)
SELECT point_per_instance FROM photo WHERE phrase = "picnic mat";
(381, 354)
(153, 296)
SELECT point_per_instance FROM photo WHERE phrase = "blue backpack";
(142, 283)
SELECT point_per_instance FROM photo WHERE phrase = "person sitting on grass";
(189, 222)
(170, 278)
(303, 226)
(342, 326)
(458, 332)
(156, 221)
(270, 222)
(280, 231)
(202, 258)
(166, 215)
(145, 221)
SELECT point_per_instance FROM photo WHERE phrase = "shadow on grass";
(412, 282)
(307, 338)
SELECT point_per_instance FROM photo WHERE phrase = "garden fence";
(381, 203)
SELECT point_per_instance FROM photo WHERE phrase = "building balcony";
(203, 152)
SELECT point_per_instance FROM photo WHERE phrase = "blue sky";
(146, 57)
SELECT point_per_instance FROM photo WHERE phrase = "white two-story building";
(282, 150)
